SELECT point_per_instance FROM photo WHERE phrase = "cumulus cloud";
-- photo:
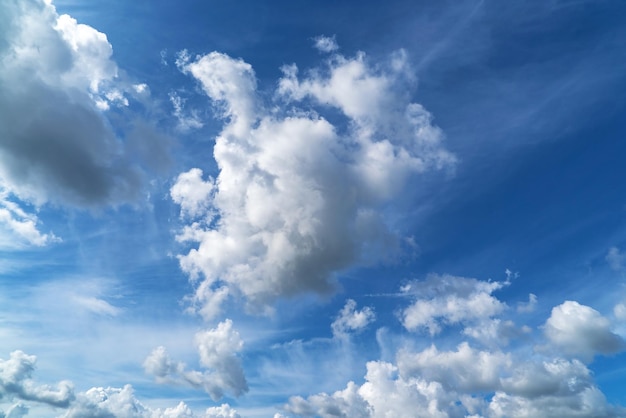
(448, 300)
(352, 320)
(298, 197)
(16, 383)
(579, 330)
(57, 143)
(217, 349)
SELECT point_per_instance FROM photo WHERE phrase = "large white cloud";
(218, 350)
(299, 197)
(579, 330)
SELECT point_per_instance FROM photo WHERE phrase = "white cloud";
(325, 43)
(450, 300)
(579, 330)
(352, 320)
(298, 198)
(218, 350)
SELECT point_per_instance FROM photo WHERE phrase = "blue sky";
(301, 209)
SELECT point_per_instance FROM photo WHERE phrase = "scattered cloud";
(299, 198)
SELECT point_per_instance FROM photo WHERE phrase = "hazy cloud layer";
(298, 197)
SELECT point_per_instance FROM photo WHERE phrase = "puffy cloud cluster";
(56, 142)
(218, 350)
(551, 380)
(300, 196)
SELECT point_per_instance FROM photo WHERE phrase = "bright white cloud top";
(315, 219)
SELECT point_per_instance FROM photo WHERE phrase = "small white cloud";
(615, 258)
(186, 120)
(325, 44)
(449, 300)
(528, 306)
(352, 320)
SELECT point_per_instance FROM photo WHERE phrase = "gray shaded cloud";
(56, 141)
